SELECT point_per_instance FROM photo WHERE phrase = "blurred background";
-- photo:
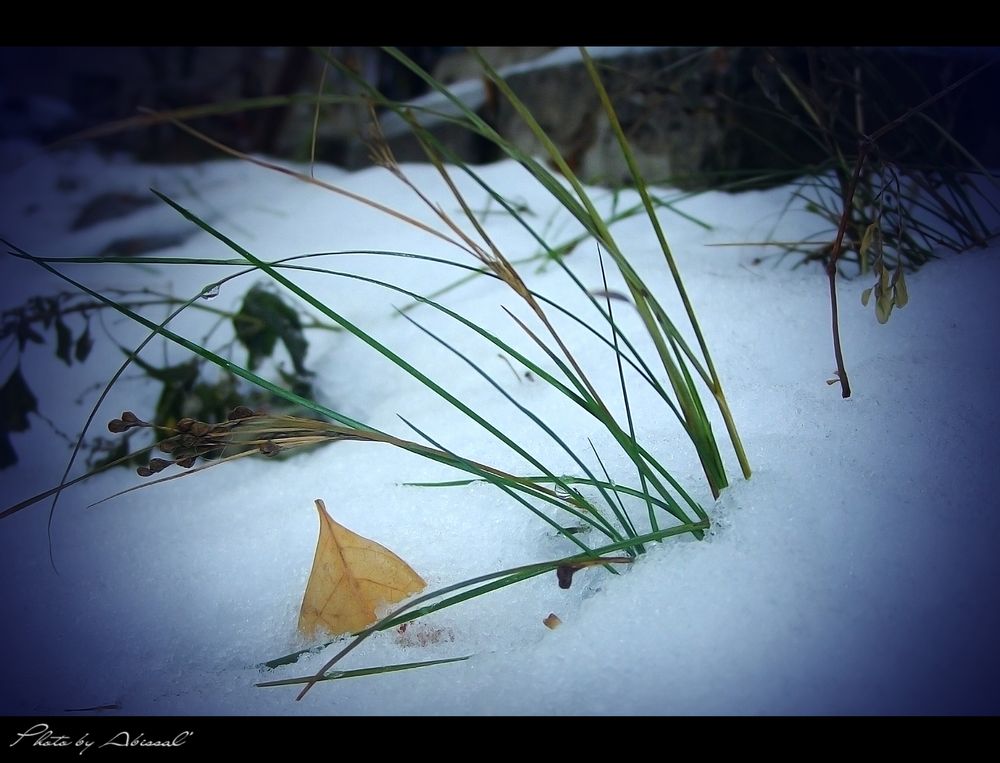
(698, 116)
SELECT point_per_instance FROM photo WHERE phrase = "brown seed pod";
(269, 448)
(169, 445)
(117, 426)
(200, 428)
(157, 465)
(240, 412)
(564, 573)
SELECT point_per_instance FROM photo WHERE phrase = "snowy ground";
(855, 572)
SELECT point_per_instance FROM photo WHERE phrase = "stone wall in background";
(696, 116)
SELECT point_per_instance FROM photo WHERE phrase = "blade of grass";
(366, 671)
(716, 384)
(627, 525)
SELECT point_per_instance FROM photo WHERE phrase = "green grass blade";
(527, 412)
(365, 671)
(640, 184)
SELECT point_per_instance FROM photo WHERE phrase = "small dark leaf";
(64, 342)
(297, 346)
(16, 402)
(49, 311)
(8, 456)
(84, 344)
(25, 334)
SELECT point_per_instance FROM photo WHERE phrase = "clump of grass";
(672, 349)
(893, 179)
(563, 502)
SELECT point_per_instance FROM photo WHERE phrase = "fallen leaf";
(552, 621)
(351, 577)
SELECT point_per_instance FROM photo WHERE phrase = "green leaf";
(901, 297)
(883, 306)
(16, 402)
(865, 296)
(866, 243)
(262, 320)
(64, 342)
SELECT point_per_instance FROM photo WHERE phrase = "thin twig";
(831, 268)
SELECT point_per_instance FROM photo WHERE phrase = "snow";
(855, 572)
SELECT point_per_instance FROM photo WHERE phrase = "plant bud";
(157, 465)
(241, 412)
(270, 448)
(200, 428)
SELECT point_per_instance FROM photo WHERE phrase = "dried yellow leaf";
(351, 577)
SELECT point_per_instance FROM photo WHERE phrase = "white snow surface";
(855, 572)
